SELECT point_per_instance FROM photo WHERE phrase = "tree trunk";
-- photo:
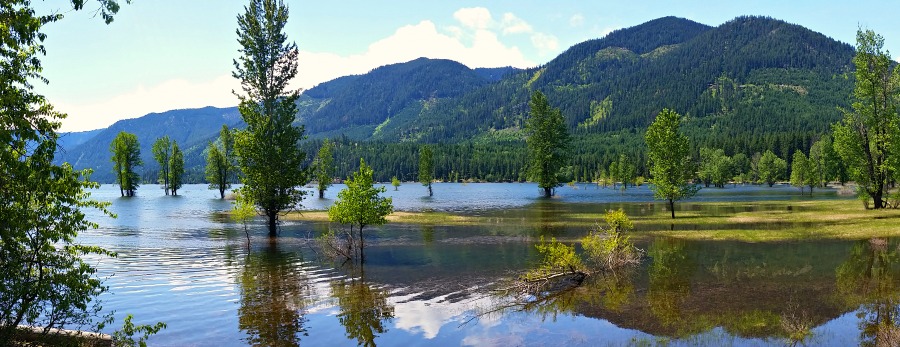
(222, 191)
(548, 192)
(430, 192)
(273, 224)
(321, 193)
(672, 207)
(877, 197)
(362, 246)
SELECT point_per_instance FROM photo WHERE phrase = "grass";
(759, 221)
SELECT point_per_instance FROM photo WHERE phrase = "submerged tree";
(162, 152)
(45, 281)
(800, 171)
(176, 169)
(548, 143)
(868, 137)
(219, 162)
(771, 168)
(426, 168)
(267, 150)
(324, 167)
(360, 205)
(670, 162)
(126, 157)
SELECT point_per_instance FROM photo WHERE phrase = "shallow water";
(430, 285)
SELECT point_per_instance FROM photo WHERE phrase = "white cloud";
(474, 17)
(169, 95)
(576, 20)
(545, 43)
(514, 25)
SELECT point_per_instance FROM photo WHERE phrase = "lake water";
(182, 263)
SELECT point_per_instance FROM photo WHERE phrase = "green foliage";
(669, 156)
(556, 257)
(267, 149)
(220, 162)
(771, 168)
(395, 182)
(324, 167)
(360, 205)
(716, 168)
(242, 211)
(800, 171)
(868, 138)
(125, 336)
(45, 281)
(126, 157)
(548, 143)
(607, 247)
(162, 152)
(176, 169)
(426, 168)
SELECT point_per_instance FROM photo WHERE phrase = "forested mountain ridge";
(748, 85)
(359, 106)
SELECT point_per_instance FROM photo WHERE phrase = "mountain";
(360, 106)
(747, 85)
(191, 128)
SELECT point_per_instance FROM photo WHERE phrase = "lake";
(430, 285)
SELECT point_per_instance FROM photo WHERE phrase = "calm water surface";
(181, 263)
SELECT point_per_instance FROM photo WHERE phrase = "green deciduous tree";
(395, 182)
(800, 173)
(324, 167)
(548, 143)
(426, 168)
(868, 137)
(771, 168)
(43, 278)
(220, 162)
(716, 168)
(176, 169)
(126, 157)
(162, 153)
(267, 150)
(360, 205)
(670, 160)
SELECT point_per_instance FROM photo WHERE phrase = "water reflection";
(670, 285)
(274, 294)
(364, 308)
(868, 278)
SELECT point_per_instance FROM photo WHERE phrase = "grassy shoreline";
(757, 221)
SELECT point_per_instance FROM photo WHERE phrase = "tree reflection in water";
(868, 279)
(363, 308)
(275, 292)
(670, 282)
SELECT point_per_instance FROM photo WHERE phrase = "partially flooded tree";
(426, 167)
(799, 171)
(176, 169)
(395, 182)
(242, 211)
(324, 167)
(868, 137)
(162, 152)
(771, 168)
(220, 162)
(359, 205)
(268, 149)
(548, 143)
(126, 157)
(670, 163)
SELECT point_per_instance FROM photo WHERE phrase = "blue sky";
(166, 54)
